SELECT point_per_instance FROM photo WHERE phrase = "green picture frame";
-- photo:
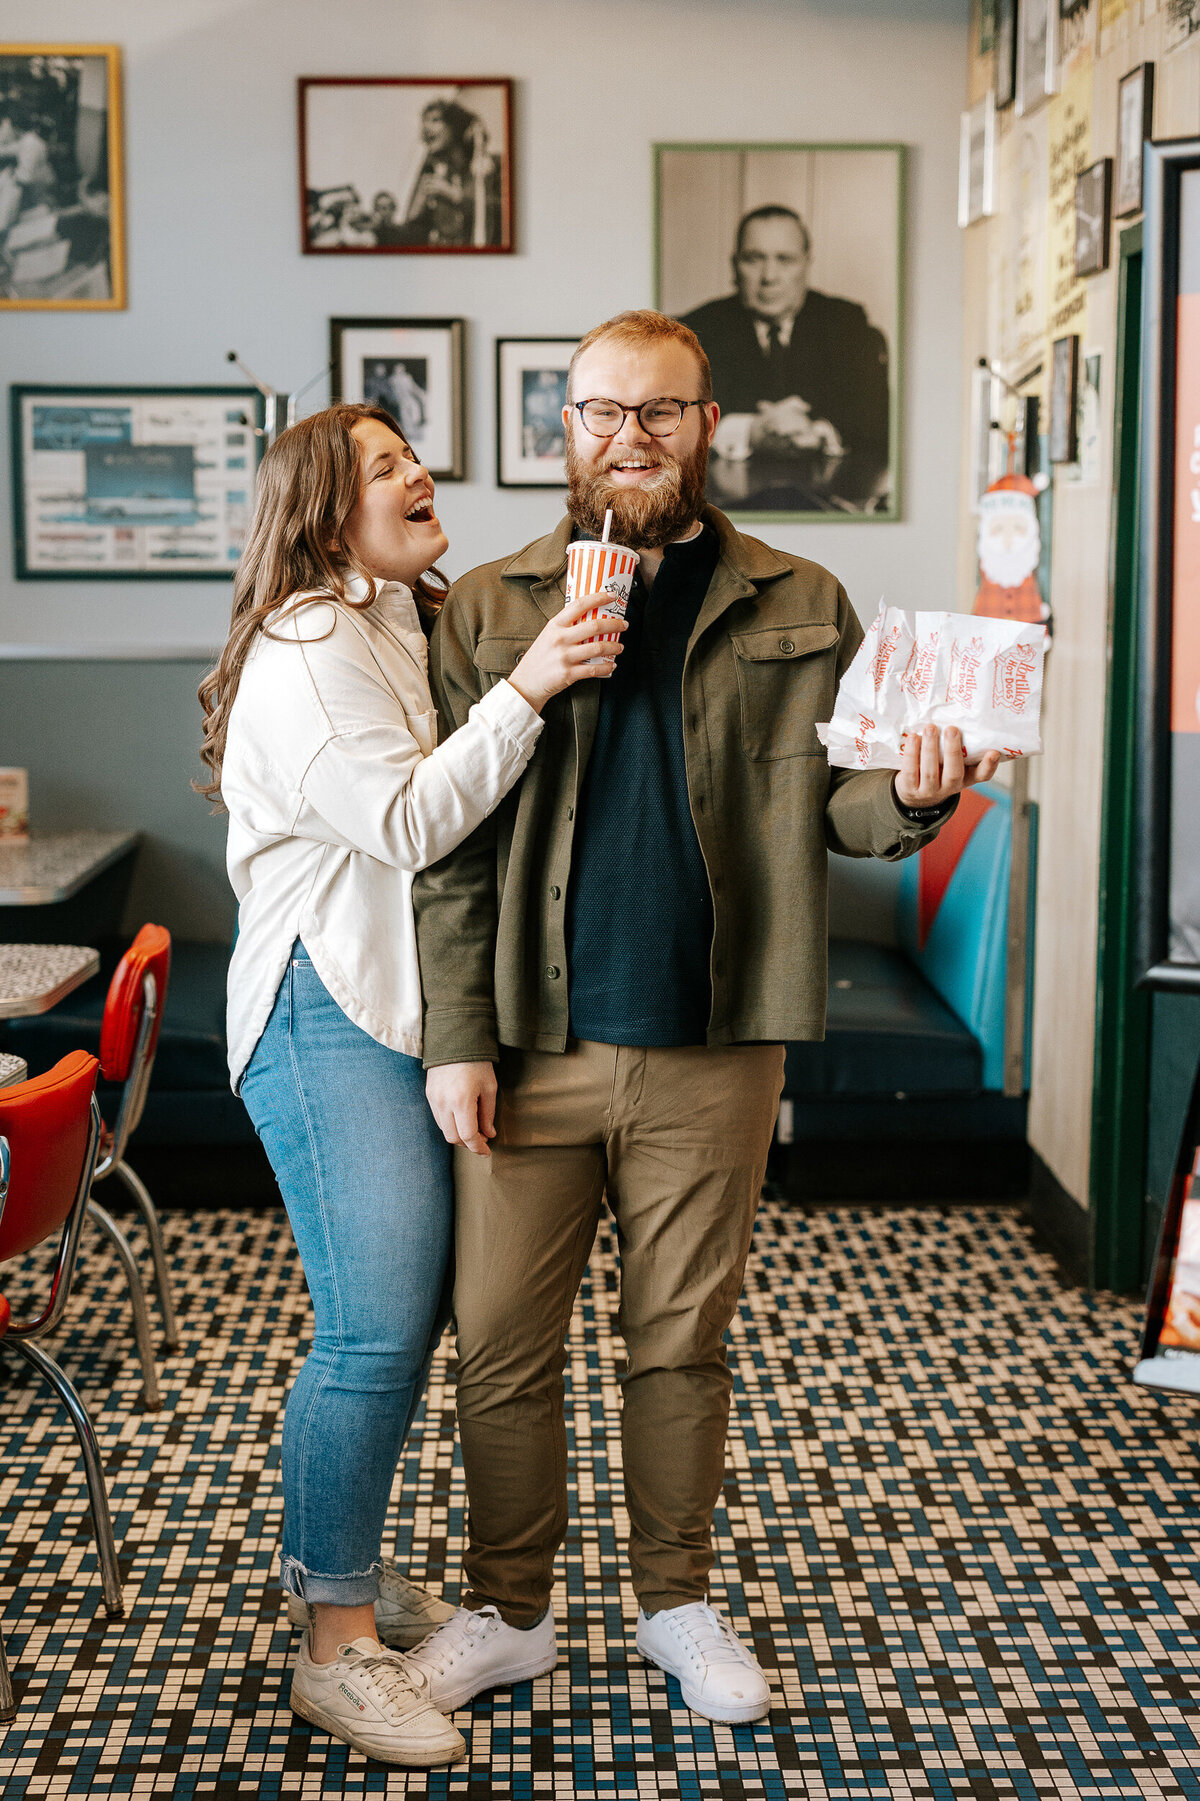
(802, 246)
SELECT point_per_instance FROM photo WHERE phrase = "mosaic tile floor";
(966, 1548)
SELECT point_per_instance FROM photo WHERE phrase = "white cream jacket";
(338, 793)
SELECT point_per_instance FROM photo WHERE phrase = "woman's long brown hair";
(308, 485)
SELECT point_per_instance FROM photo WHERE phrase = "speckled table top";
(33, 977)
(51, 866)
(12, 1069)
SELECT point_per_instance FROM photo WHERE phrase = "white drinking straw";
(607, 526)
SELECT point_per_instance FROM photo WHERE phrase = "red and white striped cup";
(605, 570)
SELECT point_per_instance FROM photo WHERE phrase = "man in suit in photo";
(801, 378)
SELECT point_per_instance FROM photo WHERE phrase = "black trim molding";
(1061, 1225)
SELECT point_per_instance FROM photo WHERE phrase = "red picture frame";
(402, 165)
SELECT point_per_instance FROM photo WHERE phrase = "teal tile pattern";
(965, 1547)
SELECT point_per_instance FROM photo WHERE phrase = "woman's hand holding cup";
(567, 651)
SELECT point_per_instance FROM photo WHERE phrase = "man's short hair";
(639, 329)
(773, 212)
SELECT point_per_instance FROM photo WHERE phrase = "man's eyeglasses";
(658, 418)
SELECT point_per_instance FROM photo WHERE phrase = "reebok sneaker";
(366, 1698)
(476, 1651)
(718, 1677)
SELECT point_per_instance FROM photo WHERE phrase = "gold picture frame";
(62, 215)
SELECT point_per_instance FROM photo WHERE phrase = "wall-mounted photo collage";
(786, 260)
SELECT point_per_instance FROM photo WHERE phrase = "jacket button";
(554, 893)
(552, 970)
(786, 646)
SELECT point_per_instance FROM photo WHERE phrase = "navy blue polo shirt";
(639, 911)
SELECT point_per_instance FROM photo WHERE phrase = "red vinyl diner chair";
(49, 1142)
(128, 1040)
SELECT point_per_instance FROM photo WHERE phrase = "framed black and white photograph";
(61, 229)
(1037, 53)
(977, 161)
(1005, 46)
(531, 391)
(404, 165)
(1093, 217)
(1064, 399)
(129, 483)
(787, 262)
(1135, 123)
(413, 369)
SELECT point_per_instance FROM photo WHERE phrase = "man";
(385, 222)
(631, 937)
(798, 374)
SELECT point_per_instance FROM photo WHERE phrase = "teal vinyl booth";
(904, 1099)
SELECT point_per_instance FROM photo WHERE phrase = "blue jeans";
(365, 1176)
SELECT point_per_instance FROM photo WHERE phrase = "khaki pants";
(678, 1141)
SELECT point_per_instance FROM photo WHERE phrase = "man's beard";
(645, 517)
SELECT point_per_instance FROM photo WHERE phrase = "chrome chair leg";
(149, 1213)
(151, 1398)
(97, 1492)
(8, 1702)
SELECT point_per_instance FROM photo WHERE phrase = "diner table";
(66, 887)
(52, 866)
(35, 977)
(12, 1069)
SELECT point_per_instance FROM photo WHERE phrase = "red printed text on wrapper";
(964, 671)
(1010, 680)
(865, 726)
(885, 650)
(918, 671)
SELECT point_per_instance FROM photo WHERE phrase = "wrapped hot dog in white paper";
(918, 669)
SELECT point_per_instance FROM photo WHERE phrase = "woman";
(321, 740)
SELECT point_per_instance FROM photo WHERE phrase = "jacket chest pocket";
(787, 680)
(497, 657)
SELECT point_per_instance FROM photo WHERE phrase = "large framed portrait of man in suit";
(787, 262)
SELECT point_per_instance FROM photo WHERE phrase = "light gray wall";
(214, 263)
(113, 745)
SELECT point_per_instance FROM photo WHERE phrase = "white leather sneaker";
(718, 1677)
(365, 1696)
(404, 1613)
(474, 1651)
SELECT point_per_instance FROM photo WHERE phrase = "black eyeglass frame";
(657, 400)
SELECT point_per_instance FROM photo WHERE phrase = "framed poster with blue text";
(787, 262)
(129, 483)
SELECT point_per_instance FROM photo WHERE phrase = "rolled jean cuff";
(359, 1589)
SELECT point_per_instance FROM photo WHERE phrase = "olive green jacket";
(773, 636)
